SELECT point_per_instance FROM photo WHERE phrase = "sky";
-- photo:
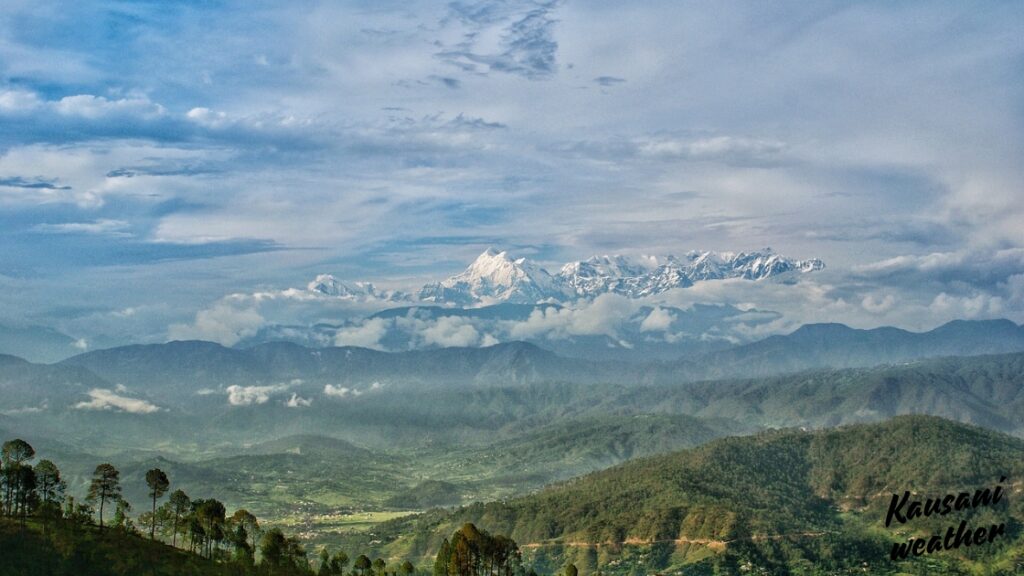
(160, 160)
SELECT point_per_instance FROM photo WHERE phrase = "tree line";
(36, 493)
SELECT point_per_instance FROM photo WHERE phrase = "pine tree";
(105, 487)
(158, 485)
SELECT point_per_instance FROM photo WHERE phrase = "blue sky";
(158, 156)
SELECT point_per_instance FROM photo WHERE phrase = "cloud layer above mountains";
(169, 169)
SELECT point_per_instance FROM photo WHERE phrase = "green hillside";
(74, 550)
(777, 500)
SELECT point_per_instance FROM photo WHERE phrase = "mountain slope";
(738, 494)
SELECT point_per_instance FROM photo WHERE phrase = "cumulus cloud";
(366, 334)
(602, 316)
(976, 305)
(298, 402)
(18, 101)
(250, 395)
(105, 399)
(659, 320)
(451, 331)
(223, 323)
(94, 107)
(346, 392)
(878, 304)
(340, 391)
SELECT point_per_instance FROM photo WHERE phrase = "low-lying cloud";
(104, 399)
(250, 395)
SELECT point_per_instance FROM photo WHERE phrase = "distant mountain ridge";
(809, 347)
(177, 369)
(465, 394)
(839, 346)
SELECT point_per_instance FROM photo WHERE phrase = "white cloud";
(970, 266)
(366, 334)
(298, 402)
(878, 304)
(340, 391)
(206, 117)
(919, 101)
(974, 306)
(345, 392)
(450, 331)
(94, 107)
(659, 320)
(223, 323)
(104, 399)
(17, 101)
(727, 148)
(602, 316)
(249, 395)
(99, 227)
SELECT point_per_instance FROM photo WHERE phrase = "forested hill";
(748, 498)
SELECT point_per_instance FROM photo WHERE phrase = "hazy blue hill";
(839, 346)
(469, 395)
(25, 386)
(178, 369)
(36, 343)
(11, 360)
(173, 368)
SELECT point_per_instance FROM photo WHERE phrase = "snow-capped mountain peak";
(328, 285)
(496, 277)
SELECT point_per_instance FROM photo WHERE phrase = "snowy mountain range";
(328, 285)
(495, 277)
